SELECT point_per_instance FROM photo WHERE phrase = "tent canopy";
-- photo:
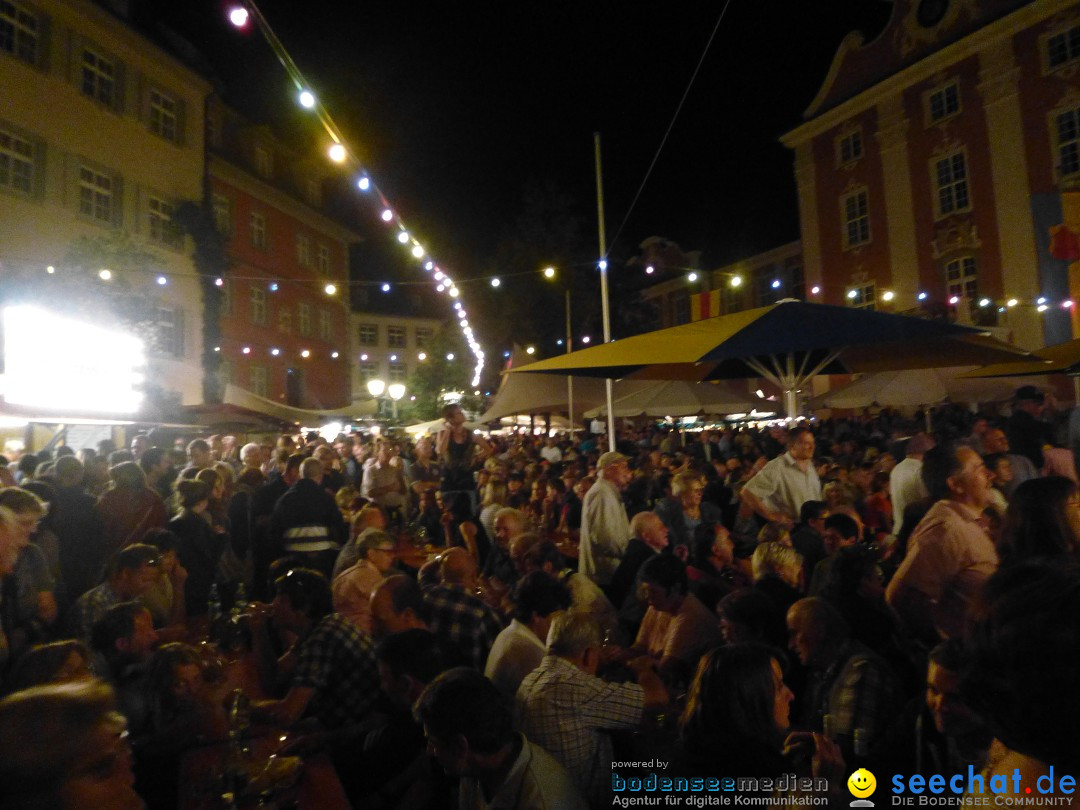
(676, 398)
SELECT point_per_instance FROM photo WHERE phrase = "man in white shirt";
(550, 452)
(782, 486)
(905, 481)
(605, 529)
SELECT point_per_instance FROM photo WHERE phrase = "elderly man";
(306, 521)
(564, 707)
(950, 553)
(605, 529)
(648, 537)
(995, 441)
(783, 485)
(397, 604)
(849, 687)
(352, 588)
(456, 614)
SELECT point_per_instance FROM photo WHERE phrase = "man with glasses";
(352, 588)
(950, 553)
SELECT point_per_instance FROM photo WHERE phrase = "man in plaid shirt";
(456, 614)
(334, 673)
(562, 705)
(848, 683)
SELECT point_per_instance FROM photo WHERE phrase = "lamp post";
(379, 390)
(549, 273)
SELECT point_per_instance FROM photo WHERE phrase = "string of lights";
(245, 12)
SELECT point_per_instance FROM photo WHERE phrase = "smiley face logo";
(862, 783)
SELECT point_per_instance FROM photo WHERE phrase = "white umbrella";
(678, 398)
(899, 389)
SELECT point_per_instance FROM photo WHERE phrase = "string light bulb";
(162, 281)
(815, 290)
(386, 288)
(776, 284)
(387, 215)
(495, 282)
(888, 295)
(307, 99)
(105, 274)
(330, 289)
(549, 272)
(692, 277)
(418, 252)
(337, 153)
(1012, 302)
(364, 183)
(238, 16)
(736, 281)
(403, 237)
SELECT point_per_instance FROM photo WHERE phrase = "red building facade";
(932, 165)
(285, 319)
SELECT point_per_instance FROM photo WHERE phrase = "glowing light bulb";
(1041, 300)
(650, 270)
(274, 286)
(549, 272)
(440, 288)
(852, 294)
(161, 280)
(736, 281)
(219, 282)
(464, 323)
(603, 264)
(1012, 302)
(50, 269)
(105, 275)
(217, 348)
(385, 288)
(305, 353)
(1042, 308)
(330, 289)
(888, 295)
(1067, 304)
(586, 339)
(337, 153)
(335, 355)
(531, 350)
(363, 358)
(363, 183)
(815, 290)
(275, 352)
(418, 252)
(450, 356)
(422, 356)
(954, 300)
(387, 215)
(246, 350)
(439, 275)
(921, 296)
(454, 293)
(692, 277)
(307, 99)
(238, 16)
(403, 237)
(776, 284)
(495, 282)
(393, 358)
(506, 354)
(429, 266)
(984, 302)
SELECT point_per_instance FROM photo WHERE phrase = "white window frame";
(855, 223)
(98, 77)
(264, 162)
(1070, 145)
(18, 164)
(160, 222)
(966, 281)
(303, 320)
(20, 31)
(367, 334)
(953, 184)
(303, 250)
(865, 295)
(259, 380)
(1070, 38)
(424, 335)
(170, 332)
(97, 195)
(258, 230)
(396, 337)
(367, 371)
(164, 115)
(942, 92)
(847, 143)
(257, 305)
(326, 329)
(223, 218)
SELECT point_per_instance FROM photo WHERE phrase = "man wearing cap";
(1027, 433)
(782, 486)
(905, 481)
(605, 529)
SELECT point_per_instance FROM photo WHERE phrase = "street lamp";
(379, 390)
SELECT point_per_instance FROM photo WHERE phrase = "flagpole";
(604, 286)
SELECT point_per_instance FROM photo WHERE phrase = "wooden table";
(200, 768)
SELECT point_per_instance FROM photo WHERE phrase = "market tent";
(897, 389)
(787, 343)
(677, 398)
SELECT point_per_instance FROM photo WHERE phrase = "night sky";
(458, 108)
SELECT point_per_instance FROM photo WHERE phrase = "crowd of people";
(492, 622)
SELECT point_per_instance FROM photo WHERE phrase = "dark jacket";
(199, 550)
(78, 529)
(306, 517)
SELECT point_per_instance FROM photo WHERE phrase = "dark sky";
(457, 106)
